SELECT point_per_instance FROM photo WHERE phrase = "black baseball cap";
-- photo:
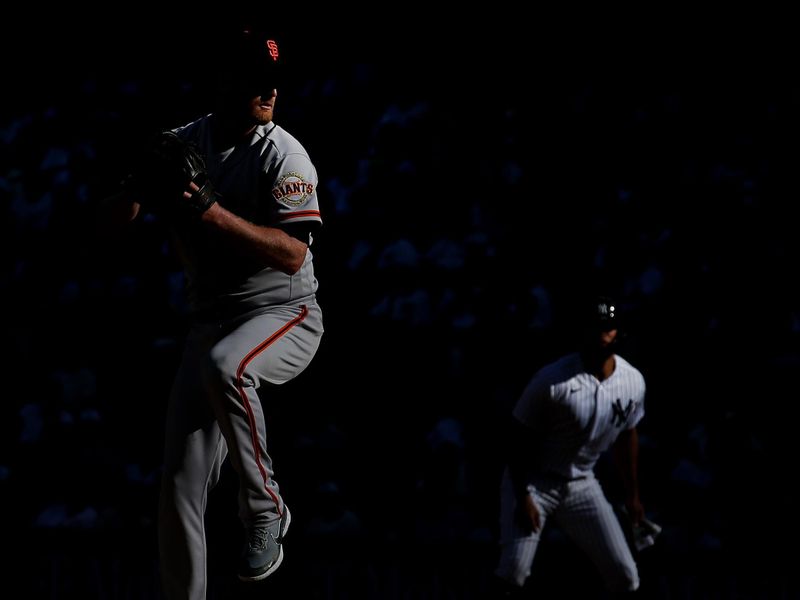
(256, 61)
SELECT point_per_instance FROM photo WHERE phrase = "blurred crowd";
(463, 217)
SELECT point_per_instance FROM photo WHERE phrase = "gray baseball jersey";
(254, 327)
(573, 418)
(269, 182)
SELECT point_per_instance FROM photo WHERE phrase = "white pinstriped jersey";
(269, 181)
(576, 417)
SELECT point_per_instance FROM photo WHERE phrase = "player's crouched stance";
(570, 413)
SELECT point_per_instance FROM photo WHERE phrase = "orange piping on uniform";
(300, 213)
(240, 387)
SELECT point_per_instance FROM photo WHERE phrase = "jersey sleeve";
(293, 193)
(533, 402)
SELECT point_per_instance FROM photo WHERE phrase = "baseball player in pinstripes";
(572, 411)
(255, 319)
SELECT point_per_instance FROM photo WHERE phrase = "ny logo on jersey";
(620, 415)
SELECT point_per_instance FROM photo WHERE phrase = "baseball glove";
(163, 173)
(641, 535)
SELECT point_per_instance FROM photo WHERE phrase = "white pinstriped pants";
(581, 510)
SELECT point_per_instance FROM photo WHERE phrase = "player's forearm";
(626, 455)
(271, 245)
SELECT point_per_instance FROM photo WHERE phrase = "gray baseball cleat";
(263, 552)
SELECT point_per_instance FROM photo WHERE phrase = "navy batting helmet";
(604, 314)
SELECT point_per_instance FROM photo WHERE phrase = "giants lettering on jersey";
(292, 189)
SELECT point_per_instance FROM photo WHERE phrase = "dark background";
(476, 180)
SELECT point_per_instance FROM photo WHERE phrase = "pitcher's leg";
(194, 453)
(266, 350)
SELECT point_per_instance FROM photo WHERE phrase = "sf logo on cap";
(272, 46)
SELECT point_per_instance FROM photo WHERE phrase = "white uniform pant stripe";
(587, 517)
(581, 510)
(517, 547)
